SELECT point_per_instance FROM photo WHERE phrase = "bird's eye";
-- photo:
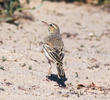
(50, 24)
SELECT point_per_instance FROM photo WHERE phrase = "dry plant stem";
(9, 60)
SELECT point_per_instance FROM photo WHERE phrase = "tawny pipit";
(53, 49)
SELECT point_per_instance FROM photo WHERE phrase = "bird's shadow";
(60, 82)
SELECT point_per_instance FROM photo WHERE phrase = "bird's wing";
(56, 54)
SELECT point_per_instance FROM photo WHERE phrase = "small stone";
(59, 92)
(30, 67)
(52, 93)
(86, 77)
(2, 89)
(8, 83)
(65, 95)
(23, 65)
(80, 86)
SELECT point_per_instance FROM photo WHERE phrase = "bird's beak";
(45, 23)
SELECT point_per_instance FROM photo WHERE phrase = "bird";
(53, 48)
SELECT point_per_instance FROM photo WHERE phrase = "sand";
(86, 34)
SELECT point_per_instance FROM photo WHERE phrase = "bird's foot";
(47, 78)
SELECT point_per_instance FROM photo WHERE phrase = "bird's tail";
(61, 72)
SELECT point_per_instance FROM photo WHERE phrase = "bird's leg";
(50, 67)
(49, 72)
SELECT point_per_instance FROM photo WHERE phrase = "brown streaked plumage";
(53, 48)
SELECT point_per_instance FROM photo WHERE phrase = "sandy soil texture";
(86, 34)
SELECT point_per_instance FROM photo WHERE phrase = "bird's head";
(52, 28)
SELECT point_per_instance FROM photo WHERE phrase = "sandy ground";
(86, 34)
